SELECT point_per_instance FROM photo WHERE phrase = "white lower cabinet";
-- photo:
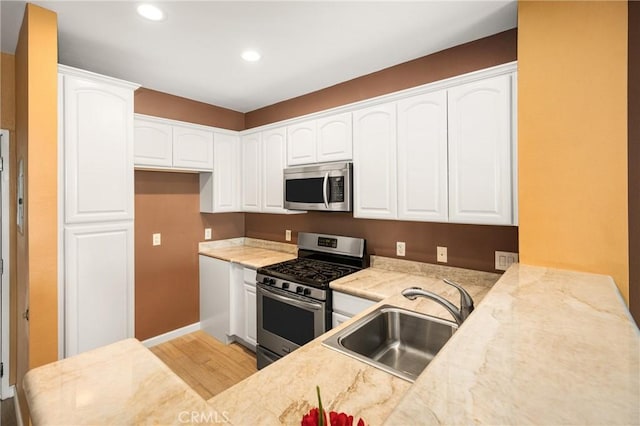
(215, 300)
(345, 306)
(243, 305)
(250, 325)
(99, 294)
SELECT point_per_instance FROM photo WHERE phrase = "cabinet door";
(250, 322)
(251, 172)
(422, 157)
(226, 173)
(98, 284)
(192, 148)
(335, 138)
(98, 151)
(374, 168)
(152, 144)
(215, 300)
(337, 319)
(301, 143)
(480, 152)
(273, 146)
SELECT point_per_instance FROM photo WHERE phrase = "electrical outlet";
(504, 259)
(287, 235)
(207, 233)
(157, 240)
(400, 248)
(442, 255)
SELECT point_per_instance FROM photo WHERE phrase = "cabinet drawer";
(249, 276)
(350, 305)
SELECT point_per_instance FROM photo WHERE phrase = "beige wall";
(572, 136)
(36, 136)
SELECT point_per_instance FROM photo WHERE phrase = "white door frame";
(6, 391)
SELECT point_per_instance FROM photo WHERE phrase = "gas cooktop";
(312, 272)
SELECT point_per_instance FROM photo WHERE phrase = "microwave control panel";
(336, 190)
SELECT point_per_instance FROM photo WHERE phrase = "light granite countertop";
(544, 346)
(119, 384)
(249, 252)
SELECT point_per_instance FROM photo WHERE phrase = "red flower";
(311, 419)
(335, 419)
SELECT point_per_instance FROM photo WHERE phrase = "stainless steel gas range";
(294, 298)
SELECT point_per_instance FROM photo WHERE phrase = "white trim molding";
(5, 390)
(153, 341)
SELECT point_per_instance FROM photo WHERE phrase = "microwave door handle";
(325, 189)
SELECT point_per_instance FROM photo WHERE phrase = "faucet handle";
(466, 302)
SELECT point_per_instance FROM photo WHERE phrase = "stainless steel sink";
(396, 340)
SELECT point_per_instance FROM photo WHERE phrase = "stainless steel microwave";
(326, 187)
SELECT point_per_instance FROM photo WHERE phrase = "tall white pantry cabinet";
(96, 203)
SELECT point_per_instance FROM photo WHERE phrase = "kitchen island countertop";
(544, 346)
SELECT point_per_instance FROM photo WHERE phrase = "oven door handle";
(292, 300)
(325, 189)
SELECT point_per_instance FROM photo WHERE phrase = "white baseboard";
(171, 335)
(16, 407)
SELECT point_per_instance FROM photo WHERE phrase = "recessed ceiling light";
(150, 12)
(250, 56)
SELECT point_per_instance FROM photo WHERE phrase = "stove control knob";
(265, 280)
(285, 286)
(307, 291)
(299, 289)
(272, 281)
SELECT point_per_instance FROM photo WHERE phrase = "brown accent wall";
(633, 122)
(37, 145)
(159, 104)
(166, 277)
(8, 122)
(468, 246)
(483, 53)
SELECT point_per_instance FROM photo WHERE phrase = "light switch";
(504, 259)
(156, 239)
(287, 235)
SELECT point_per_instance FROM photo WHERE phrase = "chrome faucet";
(466, 303)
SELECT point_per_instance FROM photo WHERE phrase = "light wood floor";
(205, 364)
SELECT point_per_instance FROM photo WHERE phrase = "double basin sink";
(396, 340)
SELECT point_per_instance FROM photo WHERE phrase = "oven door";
(287, 321)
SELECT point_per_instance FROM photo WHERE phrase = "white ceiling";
(305, 45)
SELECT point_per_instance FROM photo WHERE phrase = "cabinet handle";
(25, 314)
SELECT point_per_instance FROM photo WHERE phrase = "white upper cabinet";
(335, 138)
(480, 152)
(153, 143)
(167, 144)
(422, 157)
(192, 148)
(251, 172)
(374, 140)
(301, 143)
(274, 155)
(220, 190)
(322, 140)
(97, 134)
